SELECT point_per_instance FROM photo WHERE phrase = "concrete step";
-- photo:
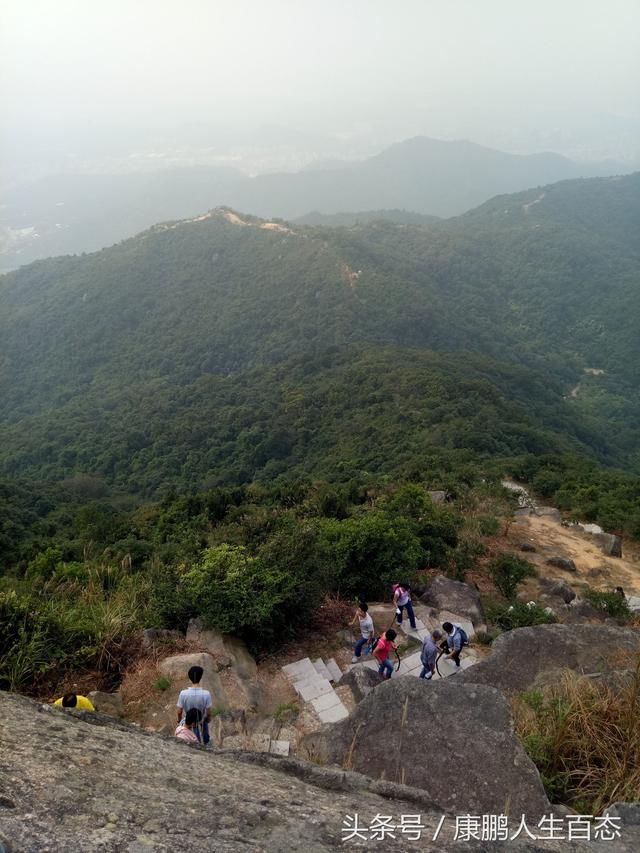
(280, 747)
(300, 670)
(321, 669)
(334, 670)
(407, 629)
(329, 707)
(312, 688)
(410, 663)
(259, 742)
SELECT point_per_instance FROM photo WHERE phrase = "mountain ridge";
(424, 176)
(221, 321)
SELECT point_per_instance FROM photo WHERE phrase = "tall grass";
(70, 625)
(584, 738)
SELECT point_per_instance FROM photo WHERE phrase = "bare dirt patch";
(275, 226)
(593, 567)
(234, 218)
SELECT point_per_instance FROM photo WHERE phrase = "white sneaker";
(354, 659)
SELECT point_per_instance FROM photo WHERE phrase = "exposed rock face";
(460, 598)
(610, 544)
(562, 563)
(549, 512)
(208, 639)
(152, 636)
(522, 656)
(454, 741)
(559, 588)
(107, 703)
(176, 668)
(75, 782)
(361, 681)
(438, 497)
(581, 610)
(527, 546)
(229, 652)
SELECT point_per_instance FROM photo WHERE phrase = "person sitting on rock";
(454, 641)
(72, 700)
(382, 653)
(185, 730)
(196, 697)
(366, 629)
(402, 599)
(429, 654)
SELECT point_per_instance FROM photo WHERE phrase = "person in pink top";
(402, 600)
(185, 729)
(382, 653)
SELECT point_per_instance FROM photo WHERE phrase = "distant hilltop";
(67, 214)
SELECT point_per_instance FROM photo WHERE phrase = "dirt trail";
(593, 566)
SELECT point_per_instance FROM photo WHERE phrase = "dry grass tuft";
(334, 613)
(584, 737)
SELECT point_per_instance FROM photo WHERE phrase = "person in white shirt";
(366, 629)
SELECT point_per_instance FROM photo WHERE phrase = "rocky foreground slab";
(72, 782)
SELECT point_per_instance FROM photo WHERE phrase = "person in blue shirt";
(454, 641)
(196, 697)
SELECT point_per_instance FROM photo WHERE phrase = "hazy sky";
(87, 77)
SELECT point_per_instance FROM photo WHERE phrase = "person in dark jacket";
(429, 654)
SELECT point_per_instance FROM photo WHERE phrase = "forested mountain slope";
(224, 348)
(79, 213)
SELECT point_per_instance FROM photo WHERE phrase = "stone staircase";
(313, 682)
(258, 742)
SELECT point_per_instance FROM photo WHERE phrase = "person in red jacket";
(382, 653)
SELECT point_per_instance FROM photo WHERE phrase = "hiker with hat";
(366, 629)
(429, 654)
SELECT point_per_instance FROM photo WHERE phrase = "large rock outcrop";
(610, 544)
(454, 741)
(176, 667)
(73, 781)
(520, 658)
(361, 681)
(443, 593)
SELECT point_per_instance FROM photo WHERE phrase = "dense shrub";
(507, 571)
(261, 598)
(611, 603)
(488, 525)
(66, 624)
(463, 558)
(518, 615)
(33, 640)
(231, 590)
(372, 551)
